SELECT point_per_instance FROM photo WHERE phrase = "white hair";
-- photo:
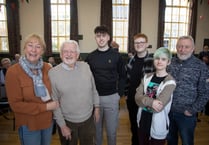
(70, 42)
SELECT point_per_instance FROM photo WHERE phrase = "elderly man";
(191, 93)
(73, 85)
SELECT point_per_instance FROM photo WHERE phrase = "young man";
(109, 74)
(191, 93)
(139, 64)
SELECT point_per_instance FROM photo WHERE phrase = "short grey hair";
(70, 42)
(186, 37)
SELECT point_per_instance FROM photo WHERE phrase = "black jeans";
(133, 109)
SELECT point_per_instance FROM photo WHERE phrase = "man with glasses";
(139, 64)
(191, 93)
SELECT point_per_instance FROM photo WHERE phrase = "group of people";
(163, 93)
(163, 105)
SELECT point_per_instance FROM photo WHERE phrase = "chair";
(5, 109)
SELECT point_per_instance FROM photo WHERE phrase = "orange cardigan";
(28, 109)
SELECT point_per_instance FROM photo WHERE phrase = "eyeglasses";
(139, 43)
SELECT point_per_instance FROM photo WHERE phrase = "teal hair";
(162, 51)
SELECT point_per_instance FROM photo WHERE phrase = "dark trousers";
(133, 109)
(54, 127)
(145, 139)
(182, 125)
(83, 132)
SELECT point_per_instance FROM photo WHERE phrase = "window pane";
(176, 2)
(174, 30)
(4, 45)
(62, 29)
(60, 22)
(168, 2)
(120, 23)
(167, 30)
(176, 22)
(168, 14)
(54, 14)
(54, 44)
(175, 15)
(183, 15)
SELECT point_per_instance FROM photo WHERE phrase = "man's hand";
(96, 114)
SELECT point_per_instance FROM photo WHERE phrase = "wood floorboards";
(10, 137)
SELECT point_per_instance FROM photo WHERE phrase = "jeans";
(109, 111)
(185, 125)
(37, 137)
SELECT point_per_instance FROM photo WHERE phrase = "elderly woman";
(30, 96)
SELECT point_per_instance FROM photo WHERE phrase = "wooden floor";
(10, 137)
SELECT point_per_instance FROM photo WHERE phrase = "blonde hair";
(37, 37)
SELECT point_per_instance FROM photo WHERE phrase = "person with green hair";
(154, 97)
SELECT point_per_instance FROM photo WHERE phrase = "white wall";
(32, 21)
(89, 18)
(202, 25)
(31, 18)
(149, 22)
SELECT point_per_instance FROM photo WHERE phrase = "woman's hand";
(52, 105)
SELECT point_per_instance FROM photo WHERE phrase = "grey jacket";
(192, 90)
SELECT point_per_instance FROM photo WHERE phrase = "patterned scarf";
(39, 87)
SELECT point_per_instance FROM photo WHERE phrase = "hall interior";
(8, 136)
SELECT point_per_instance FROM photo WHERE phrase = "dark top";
(108, 70)
(136, 68)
